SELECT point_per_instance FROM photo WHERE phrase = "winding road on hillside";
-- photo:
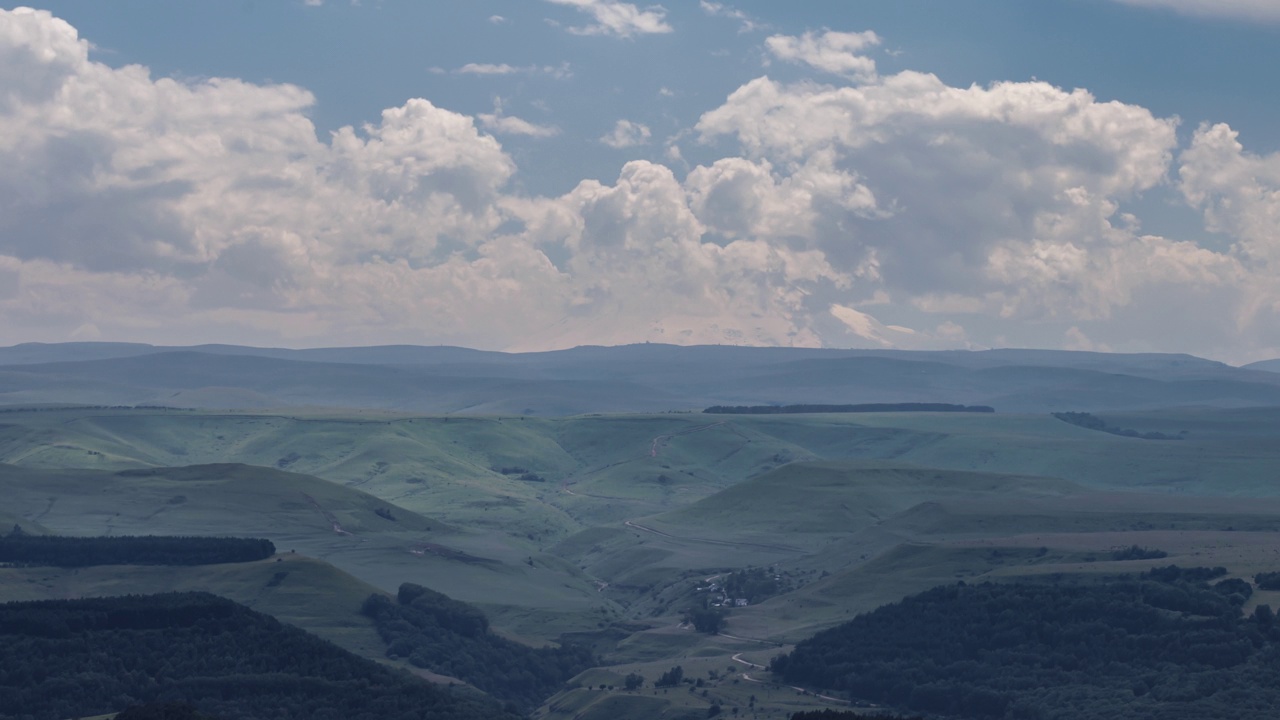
(747, 639)
(748, 678)
(337, 526)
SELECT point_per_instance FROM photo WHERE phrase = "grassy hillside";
(317, 518)
(833, 497)
(612, 527)
(614, 455)
(608, 469)
(1218, 457)
(302, 591)
(850, 536)
(704, 492)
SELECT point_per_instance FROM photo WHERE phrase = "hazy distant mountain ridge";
(631, 378)
(1266, 365)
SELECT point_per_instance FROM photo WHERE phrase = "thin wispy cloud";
(746, 23)
(620, 19)
(510, 125)
(1254, 10)
(502, 124)
(626, 134)
(560, 71)
(494, 69)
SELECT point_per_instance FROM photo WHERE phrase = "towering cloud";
(884, 209)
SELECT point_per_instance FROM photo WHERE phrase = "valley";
(609, 529)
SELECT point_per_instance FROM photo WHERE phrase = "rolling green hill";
(302, 591)
(609, 528)
(317, 518)
(837, 498)
(612, 468)
(719, 493)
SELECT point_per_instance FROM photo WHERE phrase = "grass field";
(302, 591)
(608, 528)
(317, 518)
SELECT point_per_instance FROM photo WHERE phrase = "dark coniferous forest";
(1163, 646)
(73, 658)
(24, 550)
(438, 633)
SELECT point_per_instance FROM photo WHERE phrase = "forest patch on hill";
(440, 634)
(1167, 644)
(23, 550)
(76, 658)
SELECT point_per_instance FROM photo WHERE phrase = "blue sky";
(909, 174)
(361, 58)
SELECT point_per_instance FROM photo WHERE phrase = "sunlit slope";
(571, 524)
(810, 518)
(309, 593)
(840, 529)
(223, 499)
(1233, 452)
(317, 518)
(639, 465)
(564, 475)
(833, 498)
(975, 537)
(448, 468)
(539, 479)
(1214, 459)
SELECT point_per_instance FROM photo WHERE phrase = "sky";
(539, 174)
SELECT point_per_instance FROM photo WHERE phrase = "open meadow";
(613, 529)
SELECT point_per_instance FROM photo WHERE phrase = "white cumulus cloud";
(1239, 194)
(557, 71)
(746, 23)
(998, 199)
(145, 208)
(621, 19)
(510, 125)
(625, 134)
(217, 199)
(839, 53)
